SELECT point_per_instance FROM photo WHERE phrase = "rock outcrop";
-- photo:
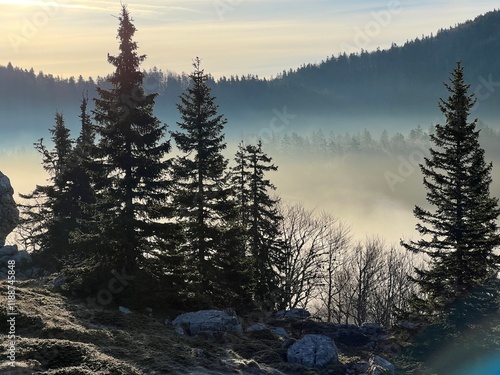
(369, 336)
(9, 214)
(206, 321)
(23, 264)
(313, 351)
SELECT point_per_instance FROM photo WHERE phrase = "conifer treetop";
(128, 61)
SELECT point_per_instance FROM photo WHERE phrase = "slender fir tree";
(459, 233)
(240, 177)
(202, 197)
(129, 170)
(258, 216)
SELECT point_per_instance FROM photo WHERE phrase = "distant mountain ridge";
(414, 71)
(396, 88)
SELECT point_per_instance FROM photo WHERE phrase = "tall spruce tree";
(202, 197)
(459, 234)
(128, 167)
(258, 216)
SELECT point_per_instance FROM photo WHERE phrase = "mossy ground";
(61, 335)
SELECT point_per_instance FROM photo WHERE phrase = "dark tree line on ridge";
(390, 83)
(195, 233)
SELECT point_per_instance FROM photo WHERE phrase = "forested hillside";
(385, 89)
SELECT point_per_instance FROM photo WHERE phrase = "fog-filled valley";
(369, 181)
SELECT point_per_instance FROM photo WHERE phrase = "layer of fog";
(374, 194)
(355, 190)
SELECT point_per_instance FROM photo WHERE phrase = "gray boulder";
(411, 326)
(9, 214)
(21, 257)
(58, 282)
(277, 331)
(361, 367)
(313, 351)
(207, 321)
(23, 263)
(381, 366)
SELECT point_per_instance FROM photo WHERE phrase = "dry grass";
(59, 335)
(63, 335)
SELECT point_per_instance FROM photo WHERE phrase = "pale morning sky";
(263, 37)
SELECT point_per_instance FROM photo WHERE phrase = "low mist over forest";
(370, 181)
(395, 89)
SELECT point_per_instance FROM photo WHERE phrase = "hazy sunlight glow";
(28, 2)
(58, 4)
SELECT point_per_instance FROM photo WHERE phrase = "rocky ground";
(57, 334)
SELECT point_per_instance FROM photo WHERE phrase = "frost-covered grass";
(60, 335)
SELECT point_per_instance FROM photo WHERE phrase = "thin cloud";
(260, 37)
(146, 8)
(55, 4)
(20, 2)
(98, 5)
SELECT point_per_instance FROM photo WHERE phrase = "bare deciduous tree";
(367, 263)
(369, 283)
(394, 294)
(307, 241)
(338, 243)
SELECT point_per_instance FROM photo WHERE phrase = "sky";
(232, 37)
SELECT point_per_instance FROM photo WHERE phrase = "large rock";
(381, 366)
(9, 214)
(313, 351)
(372, 329)
(23, 263)
(21, 257)
(350, 335)
(345, 334)
(207, 321)
(58, 282)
